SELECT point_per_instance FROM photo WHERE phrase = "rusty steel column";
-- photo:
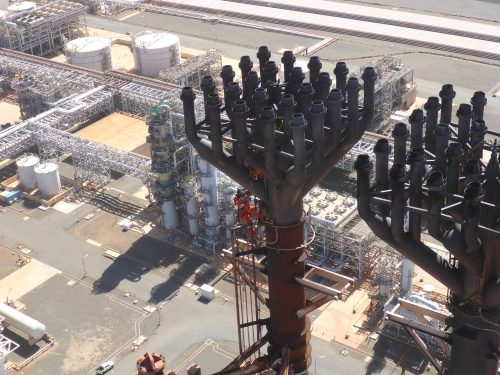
(293, 140)
(460, 199)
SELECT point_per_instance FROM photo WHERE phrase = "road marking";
(92, 242)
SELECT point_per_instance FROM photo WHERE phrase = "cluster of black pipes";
(446, 188)
(290, 135)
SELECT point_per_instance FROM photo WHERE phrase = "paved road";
(480, 9)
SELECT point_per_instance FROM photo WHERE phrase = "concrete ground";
(431, 69)
(84, 325)
(9, 113)
(117, 130)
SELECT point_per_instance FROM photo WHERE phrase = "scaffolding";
(191, 72)
(394, 90)
(43, 30)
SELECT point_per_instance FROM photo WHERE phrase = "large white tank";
(3, 16)
(22, 6)
(47, 179)
(91, 52)
(26, 170)
(31, 327)
(154, 52)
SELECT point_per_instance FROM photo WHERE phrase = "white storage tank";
(26, 170)
(91, 52)
(23, 6)
(154, 52)
(47, 179)
(29, 326)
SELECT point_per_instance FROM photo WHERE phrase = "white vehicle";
(104, 367)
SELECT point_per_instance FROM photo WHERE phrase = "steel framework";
(395, 88)
(191, 72)
(44, 30)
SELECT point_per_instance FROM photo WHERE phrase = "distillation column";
(192, 209)
(163, 146)
(208, 177)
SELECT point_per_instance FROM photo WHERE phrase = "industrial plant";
(247, 187)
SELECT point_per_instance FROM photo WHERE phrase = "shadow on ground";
(147, 254)
(406, 356)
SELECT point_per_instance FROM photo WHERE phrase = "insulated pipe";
(227, 74)
(314, 65)
(245, 66)
(334, 116)
(288, 60)
(260, 99)
(416, 159)
(382, 150)
(187, 97)
(287, 108)
(446, 94)
(318, 112)
(369, 77)
(270, 70)
(478, 102)
(233, 93)
(268, 123)
(341, 71)
(207, 85)
(455, 154)
(435, 186)
(442, 138)
(471, 171)
(213, 119)
(464, 114)
(240, 115)
(252, 82)
(352, 88)
(296, 78)
(477, 132)
(398, 201)
(400, 133)
(306, 96)
(417, 120)
(298, 125)
(324, 85)
(263, 54)
(432, 107)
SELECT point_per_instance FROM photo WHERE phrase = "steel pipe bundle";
(290, 135)
(450, 189)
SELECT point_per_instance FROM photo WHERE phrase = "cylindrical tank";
(170, 218)
(3, 16)
(384, 286)
(26, 170)
(47, 179)
(22, 6)
(91, 52)
(407, 268)
(154, 52)
(31, 327)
